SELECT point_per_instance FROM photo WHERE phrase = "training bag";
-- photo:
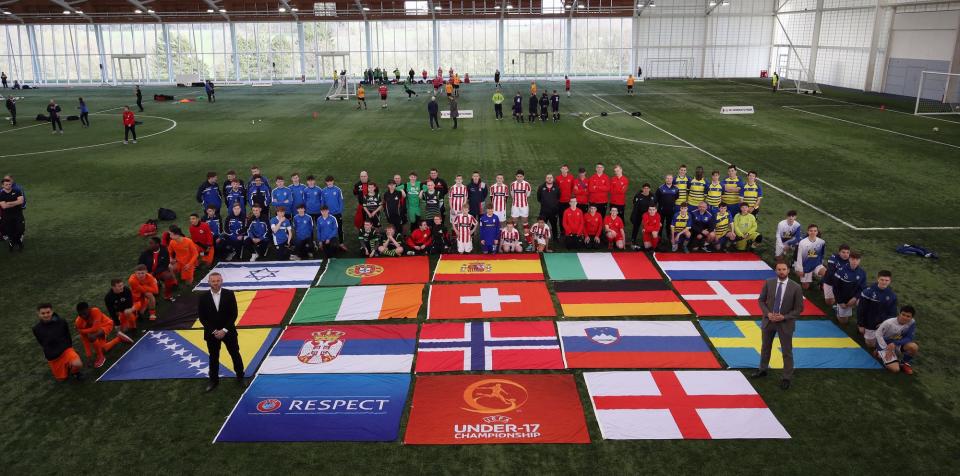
(166, 214)
(635, 114)
(73, 118)
(148, 228)
(41, 117)
(918, 250)
(604, 113)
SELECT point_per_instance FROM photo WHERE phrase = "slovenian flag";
(634, 345)
(713, 266)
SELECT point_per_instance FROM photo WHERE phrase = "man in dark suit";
(218, 313)
(781, 301)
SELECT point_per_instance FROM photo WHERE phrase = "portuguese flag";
(618, 298)
(359, 303)
(502, 267)
(354, 271)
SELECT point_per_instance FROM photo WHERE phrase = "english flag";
(456, 347)
(467, 301)
(729, 298)
(692, 404)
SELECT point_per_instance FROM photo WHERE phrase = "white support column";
(303, 57)
(703, 45)
(102, 53)
(34, 56)
(369, 50)
(500, 45)
(568, 53)
(436, 43)
(166, 41)
(874, 44)
(634, 37)
(236, 54)
(815, 43)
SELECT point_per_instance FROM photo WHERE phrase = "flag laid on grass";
(343, 349)
(359, 303)
(817, 344)
(264, 275)
(729, 298)
(618, 298)
(502, 267)
(713, 266)
(179, 314)
(634, 345)
(580, 266)
(691, 404)
(455, 347)
(183, 354)
(487, 409)
(354, 271)
(362, 407)
(466, 301)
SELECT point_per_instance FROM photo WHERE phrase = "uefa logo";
(268, 405)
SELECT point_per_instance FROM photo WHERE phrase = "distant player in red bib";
(383, 95)
(613, 227)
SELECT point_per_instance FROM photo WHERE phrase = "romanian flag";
(577, 266)
(618, 298)
(359, 303)
(263, 308)
(503, 267)
(354, 271)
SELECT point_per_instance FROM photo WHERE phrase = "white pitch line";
(48, 122)
(98, 145)
(652, 93)
(872, 127)
(584, 124)
(838, 219)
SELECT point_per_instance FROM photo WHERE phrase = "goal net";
(938, 93)
(668, 68)
(794, 79)
(342, 88)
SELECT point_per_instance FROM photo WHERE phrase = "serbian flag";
(359, 303)
(691, 404)
(729, 298)
(395, 270)
(618, 298)
(503, 267)
(578, 266)
(634, 345)
(343, 349)
(713, 266)
(467, 301)
(457, 347)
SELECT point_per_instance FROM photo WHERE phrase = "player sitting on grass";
(420, 239)
(121, 306)
(810, 257)
(328, 229)
(592, 228)
(702, 227)
(53, 335)
(464, 226)
(723, 233)
(489, 232)
(510, 238)
(391, 244)
(540, 235)
(894, 341)
(282, 232)
(745, 229)
(440, 237)
(613, 228)
(680, 229)
(369, 240)
(94, 328)
(788, 237)
(650, 223)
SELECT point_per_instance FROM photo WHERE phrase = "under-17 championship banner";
(264, 275)
(502, 408)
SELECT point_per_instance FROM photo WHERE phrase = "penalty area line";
(871, 127)
(47, 123)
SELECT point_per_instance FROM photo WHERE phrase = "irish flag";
(359, 303)
(503, 267)
(576, 266)
(618, 298)
(354, 271)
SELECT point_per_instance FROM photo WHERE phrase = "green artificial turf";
(85, 205)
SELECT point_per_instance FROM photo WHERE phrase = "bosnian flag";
(713, 266)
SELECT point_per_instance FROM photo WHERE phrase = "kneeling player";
(302, 233)
(745, 229)
(53, 335)
(651, 228)
(144, 288)
(391, 242)
(592, 228)
(156, 261)
(510, 238)
(202, 236)
(540, 235)
(723, 234)
(94, 328)
(810, 257)
(680, 229)
(613, 227)
(894, 341)
(489, 232)
(121, 306)
(183, 255)
(282, 232)
(464, 226)
(420, 239)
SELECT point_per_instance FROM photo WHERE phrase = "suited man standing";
(781, 301)
(218, 313)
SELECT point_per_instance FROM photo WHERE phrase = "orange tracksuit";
(97, 322)
(186, 254)
(140, 289)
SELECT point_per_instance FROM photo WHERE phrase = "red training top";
(128, 119)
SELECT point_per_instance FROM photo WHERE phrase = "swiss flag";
(468, 301)
(729, 298)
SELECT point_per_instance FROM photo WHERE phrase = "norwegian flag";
(456, 347)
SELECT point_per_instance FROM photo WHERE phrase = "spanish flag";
(504, 267)
(618, 298)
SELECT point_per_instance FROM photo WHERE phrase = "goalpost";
(938, 94)
(129, 69)
(342, 88)
(668, 68)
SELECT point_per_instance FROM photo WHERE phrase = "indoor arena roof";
(127, 11)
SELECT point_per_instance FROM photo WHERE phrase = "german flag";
(502, 267)
(618, 298)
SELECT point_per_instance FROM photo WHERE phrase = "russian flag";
(713, 266)
(634, 345)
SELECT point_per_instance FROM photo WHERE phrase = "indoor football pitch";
(859, 165)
